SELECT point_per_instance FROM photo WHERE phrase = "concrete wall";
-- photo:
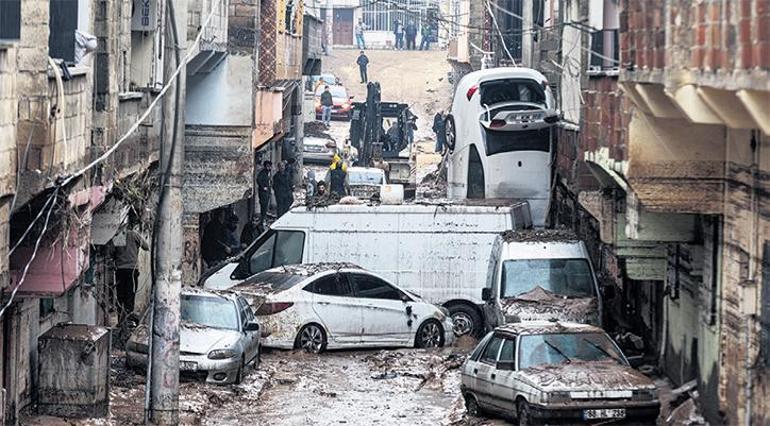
(218, 98)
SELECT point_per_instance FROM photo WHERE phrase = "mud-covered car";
(219, 336)
(557, 372)
(337, 305)
(365, 181)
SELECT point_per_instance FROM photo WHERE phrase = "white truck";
(438, 251)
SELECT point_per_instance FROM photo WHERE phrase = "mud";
(539, 236)
(540, 304)
(587, 376)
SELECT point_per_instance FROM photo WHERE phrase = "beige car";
(552, 371)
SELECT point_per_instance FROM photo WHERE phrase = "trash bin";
(74, 371)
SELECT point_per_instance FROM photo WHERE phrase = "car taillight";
(495, 124)
(471, 91)
(273, 308)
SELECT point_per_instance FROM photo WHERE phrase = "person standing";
(411, 35)
(363, 63)
(327, 102)
(360, 28)
(398, 32)
(126, 250)
(425, 37)
(263, 190)
(282, 188)
(250, 232)
(439, 129)
(338, 179)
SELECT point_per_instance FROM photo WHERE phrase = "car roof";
(546, 327)
(310, 269)
(195, 291)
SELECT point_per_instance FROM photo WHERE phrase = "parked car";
(541, 275)
(556, 371)
(499, 134)
(335, 305)
(219, 336)
(343, 106)
(365, 181)
(318, 150)
(441, 252)
(326, 78)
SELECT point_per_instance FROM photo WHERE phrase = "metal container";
(74, 371)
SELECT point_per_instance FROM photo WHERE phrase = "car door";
(502, 377)
(485, 372)
(386, 314)
(470, 368)
(337, 307)
(250, 338)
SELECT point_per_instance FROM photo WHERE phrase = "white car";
(365, 181)
(499, 134)
(543, 371)
(332, 306)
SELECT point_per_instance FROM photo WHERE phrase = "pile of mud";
(540, 236)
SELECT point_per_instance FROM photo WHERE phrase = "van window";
(498, 141)
(281, 248)
(563, 277)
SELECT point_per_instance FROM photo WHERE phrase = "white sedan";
(332, 306)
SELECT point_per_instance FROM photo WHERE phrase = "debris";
(385, 375)
(539, 235)
(685, 414)
(685, 388)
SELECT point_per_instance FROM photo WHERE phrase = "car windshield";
(512, 90)
(337, 91)
(209, 311)
(563, 277)
(566, 348)
(365, 177)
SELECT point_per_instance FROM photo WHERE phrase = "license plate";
(188, 365)
(604, 413)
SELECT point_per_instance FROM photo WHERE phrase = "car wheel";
(451, 133)
(466, 319)
(472, 405)
(312, 338)
(522, 413)
(429, 335)
(239, 374)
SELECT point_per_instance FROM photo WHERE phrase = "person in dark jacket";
(338, 180)
(126, 246)
(363, 62)
(398, 32)
(327, 102)
(212, 243)
(251, 230)
(411, 35)
(439, 129)
(282, 187)
(263, 190)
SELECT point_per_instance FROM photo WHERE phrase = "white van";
(438, 251)
(499, 134)
(541, 275)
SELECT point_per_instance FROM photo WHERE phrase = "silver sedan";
(219, 337)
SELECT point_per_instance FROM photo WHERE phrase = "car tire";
(311, 338)
(239, 374)
(451, 133)
(523, 414)
(472, 406)
(466, 318)
(430, 334)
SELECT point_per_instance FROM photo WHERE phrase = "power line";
(502, 39)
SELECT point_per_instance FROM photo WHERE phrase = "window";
(511, 90)
(247, 315)
(564, 348)
(63, 22)
(564, 277)
(370, 287)
(331, 285)
(526, 140)
(46, 304)
(381, 16)
(280, 248)
(507, 353)
(208, 311)
(10, 19)
(491, 351)
(476, 354)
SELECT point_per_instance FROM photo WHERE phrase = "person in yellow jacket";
(337, 178)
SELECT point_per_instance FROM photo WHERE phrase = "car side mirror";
(251, 326)
(486, 294)
(506, 365)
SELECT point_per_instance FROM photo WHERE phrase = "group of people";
(408, 33)
(403, 33)
(336, 183)
(282, 185)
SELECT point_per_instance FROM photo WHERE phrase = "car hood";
(543, 305)
(586, 376)
(194, 338)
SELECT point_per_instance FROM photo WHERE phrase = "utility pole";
(329, 22)
(163, 375)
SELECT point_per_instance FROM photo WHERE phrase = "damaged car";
(336, 305)
(541, 275)
(219, 337)
(561, 372)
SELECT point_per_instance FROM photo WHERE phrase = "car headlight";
(133, 346)
(558, 396)
(222, 354)
(644, 395)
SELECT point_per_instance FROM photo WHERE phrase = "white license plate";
(188, 365)
(604, 413)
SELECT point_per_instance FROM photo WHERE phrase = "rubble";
(539, 235)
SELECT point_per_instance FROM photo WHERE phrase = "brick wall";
(642, 34)
(606, 114)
